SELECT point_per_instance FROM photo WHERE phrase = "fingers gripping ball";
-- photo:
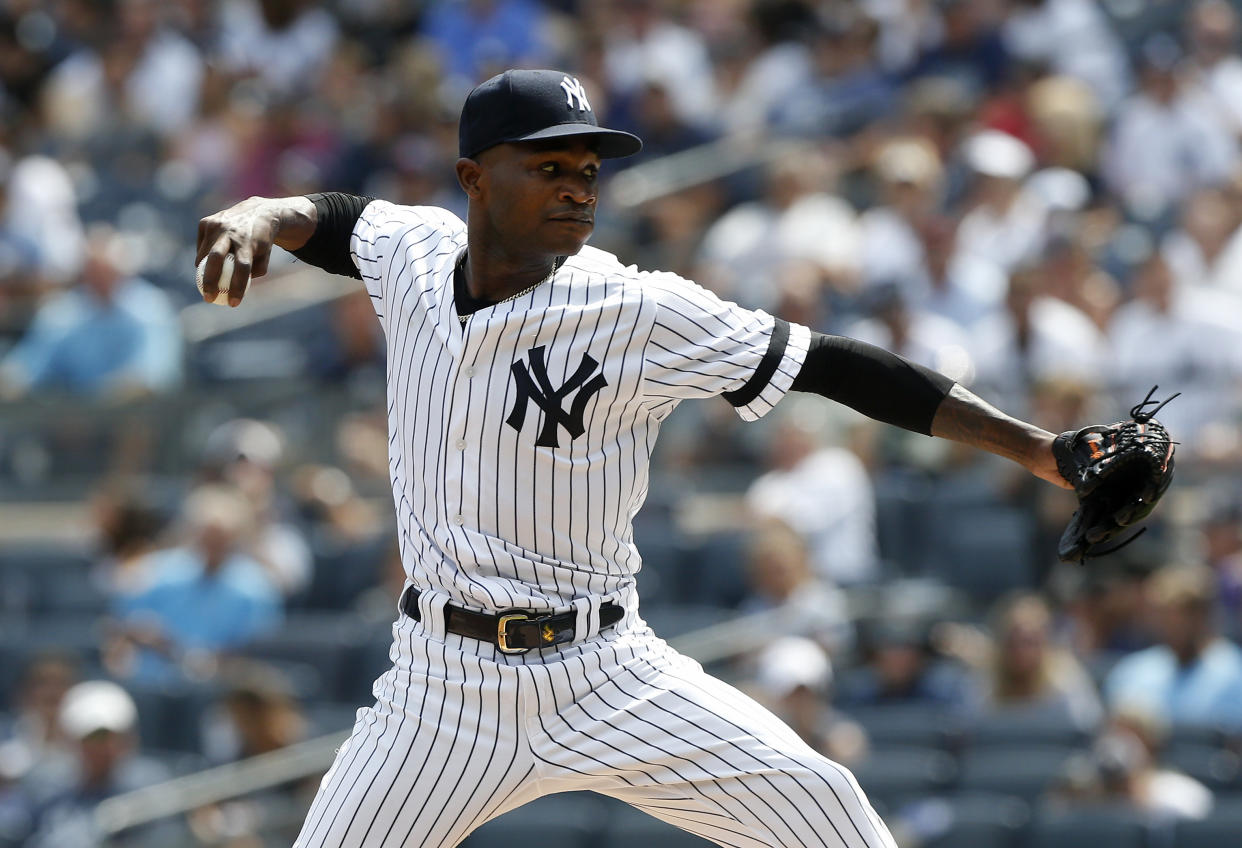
(1119, 472)
(226, 279)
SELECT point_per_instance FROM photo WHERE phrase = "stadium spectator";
(1006, 223)
(900, 667)
(245, 454)
(1070, 37)
(781, 578)
(1206, 248)
(207, 597)
(1193, 676)
(41, 214)
(794, 676)
(144, 71)
(1036, 338)
(798, 219)
(1169, 138)
(955, 286)
(128, 527)
(34, 740)
(113, 335)
(1120, 769)
(1212, 34)
(910, 180)
(101, 720)
(917, 334)
(1200, 348)
(1024, 674)
(480, 38)
(824, 493)
(285, 43)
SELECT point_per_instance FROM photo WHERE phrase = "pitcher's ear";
(469, 172)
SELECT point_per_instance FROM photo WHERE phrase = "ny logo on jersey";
(574, 89)
(549, 399)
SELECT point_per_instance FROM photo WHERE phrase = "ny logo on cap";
(574, 89)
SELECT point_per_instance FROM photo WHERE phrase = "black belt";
(512, 631)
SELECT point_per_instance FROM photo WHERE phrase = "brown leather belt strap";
(512, 631)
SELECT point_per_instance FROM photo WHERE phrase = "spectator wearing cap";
(101, 720)
(910, 181)
(113, 335)
(1169, 138)
(1006, 225)
(1193, 676)
(285, 43)
(245, 453)
(207, 596)
(794, 676)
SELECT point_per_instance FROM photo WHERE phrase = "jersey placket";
(464, 429)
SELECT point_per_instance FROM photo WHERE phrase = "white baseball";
(226, 277)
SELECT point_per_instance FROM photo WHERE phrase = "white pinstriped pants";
(460, 734)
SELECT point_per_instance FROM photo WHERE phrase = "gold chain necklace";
(556, 266)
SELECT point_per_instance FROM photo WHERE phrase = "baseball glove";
(1119, 471)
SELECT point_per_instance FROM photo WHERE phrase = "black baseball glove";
(1119, 471)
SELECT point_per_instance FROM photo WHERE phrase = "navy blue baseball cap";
(532, 105)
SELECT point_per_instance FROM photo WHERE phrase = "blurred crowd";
(1039, 198)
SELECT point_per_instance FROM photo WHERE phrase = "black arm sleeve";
(870, 379)
(328, 248)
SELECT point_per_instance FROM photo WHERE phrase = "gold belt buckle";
(502, 634)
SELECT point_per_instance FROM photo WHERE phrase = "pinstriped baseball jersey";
(520, 436)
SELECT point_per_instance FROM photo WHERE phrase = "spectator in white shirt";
(1035, 338)
(824, 492)
(1170, 138)
(1212, 33)
(1006, 224)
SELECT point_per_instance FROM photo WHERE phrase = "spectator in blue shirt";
(1193, 677)
(204, 598)
(114, 334)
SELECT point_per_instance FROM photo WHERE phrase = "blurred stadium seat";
(565, 820)
(1022, 772)
(895, 775)
(1090, 826)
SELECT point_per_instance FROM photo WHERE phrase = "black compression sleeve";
(328, 248)
(870, 379)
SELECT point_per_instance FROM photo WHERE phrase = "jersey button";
(470, 371)
(460, 444)
(458, 520)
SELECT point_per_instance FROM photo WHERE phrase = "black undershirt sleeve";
(870, 379)
(328, 247)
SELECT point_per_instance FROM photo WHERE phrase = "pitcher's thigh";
(426, 765)
(706, 758)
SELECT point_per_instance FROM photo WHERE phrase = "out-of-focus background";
(1040, 198)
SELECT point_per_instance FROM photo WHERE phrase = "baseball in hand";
(226, 278)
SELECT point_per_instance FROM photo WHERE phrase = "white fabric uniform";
(519, 445)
